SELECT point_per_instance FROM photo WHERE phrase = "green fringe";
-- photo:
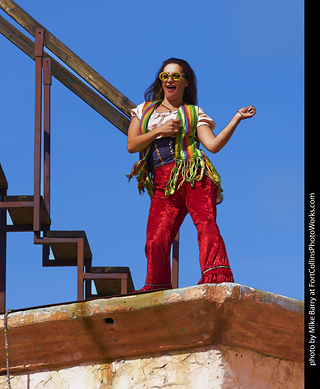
(192, 170)
(140, 171)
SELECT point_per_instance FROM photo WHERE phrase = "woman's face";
(173, 90)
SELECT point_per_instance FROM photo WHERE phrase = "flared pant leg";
(166, 215)
(165, 218)
(201, 204)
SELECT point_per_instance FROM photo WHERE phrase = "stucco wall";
(202, 368)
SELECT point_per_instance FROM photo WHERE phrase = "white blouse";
(157, 119)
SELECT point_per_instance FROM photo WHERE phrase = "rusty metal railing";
(32, 213)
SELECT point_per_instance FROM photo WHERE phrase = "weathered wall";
(201, 368)
(206, 336)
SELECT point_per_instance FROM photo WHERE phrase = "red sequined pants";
(165, 218)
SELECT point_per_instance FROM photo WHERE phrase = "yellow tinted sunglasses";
(176, 76)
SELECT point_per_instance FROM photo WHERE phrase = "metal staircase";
(32, 212)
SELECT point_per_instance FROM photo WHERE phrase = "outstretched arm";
(216, 143)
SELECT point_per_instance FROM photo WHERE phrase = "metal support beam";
(37, 129)
(3, 251)
(47, 132)
(80, 269)
(175, 262)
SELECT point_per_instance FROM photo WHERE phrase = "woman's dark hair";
(155, 91)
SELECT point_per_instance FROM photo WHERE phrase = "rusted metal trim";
(105, 276)
(175, 261)
(16, 204)
(47, 131)
(45, 240)
(37, 129)
(80, 269)
(3, 251)
(19, 228)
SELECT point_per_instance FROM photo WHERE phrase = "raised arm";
(216, 143)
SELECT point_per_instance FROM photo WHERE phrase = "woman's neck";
(173, 105)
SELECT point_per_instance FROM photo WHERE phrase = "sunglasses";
(176, 76)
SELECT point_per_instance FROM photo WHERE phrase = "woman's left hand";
(247, 112)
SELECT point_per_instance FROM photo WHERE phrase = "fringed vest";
(190, 161)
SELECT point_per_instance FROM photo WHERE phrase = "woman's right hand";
(138, 142)
(169, 129)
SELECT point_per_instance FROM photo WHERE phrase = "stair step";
(68, 250)
(3, 180)
(109, 287)
(24, 215)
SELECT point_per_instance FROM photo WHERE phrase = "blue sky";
(243, 52)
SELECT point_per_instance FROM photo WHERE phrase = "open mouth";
(171, 88)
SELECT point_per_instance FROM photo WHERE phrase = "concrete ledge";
(103, 330)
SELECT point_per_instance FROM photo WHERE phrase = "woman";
(167, 130)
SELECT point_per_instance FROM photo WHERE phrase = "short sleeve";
(205, 120)
(137, 112)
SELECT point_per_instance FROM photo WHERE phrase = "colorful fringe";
(192, 170)
(140, 171)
